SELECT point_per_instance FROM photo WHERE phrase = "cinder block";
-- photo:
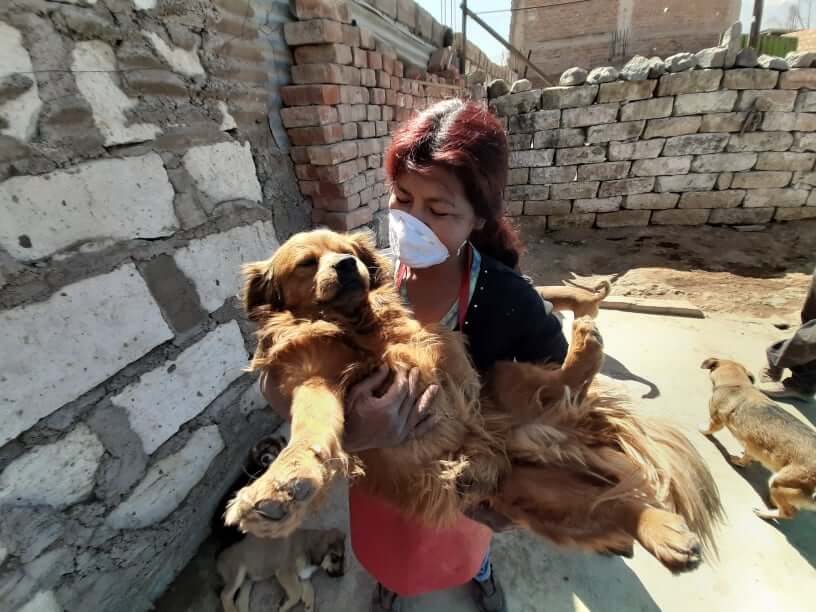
(45, 364)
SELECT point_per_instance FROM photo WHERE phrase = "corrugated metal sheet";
(409, 48)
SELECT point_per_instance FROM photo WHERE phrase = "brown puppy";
(581, 301)
(292, 561)
(557, 455)
(783, 444)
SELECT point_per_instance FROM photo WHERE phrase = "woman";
(455, 259)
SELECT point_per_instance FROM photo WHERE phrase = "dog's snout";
(346, 265)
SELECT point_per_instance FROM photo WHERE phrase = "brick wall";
(350, 92)
(720, 146)
(142, 160)
(600, 32)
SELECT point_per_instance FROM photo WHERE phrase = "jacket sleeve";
(539, 337)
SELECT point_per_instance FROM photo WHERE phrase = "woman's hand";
(388, 420)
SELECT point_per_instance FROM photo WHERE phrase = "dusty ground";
(720, 270)
(744, 282)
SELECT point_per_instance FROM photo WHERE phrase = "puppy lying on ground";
(291, 560)
(548, 447)
(581, 301)
(783, 444)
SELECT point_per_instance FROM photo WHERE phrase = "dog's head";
(320, 270)
(727, 372)
(332, 552)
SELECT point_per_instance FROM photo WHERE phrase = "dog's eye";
(308, 262)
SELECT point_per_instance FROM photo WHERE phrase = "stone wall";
(351, 91)
(681, 142)
(141, 161)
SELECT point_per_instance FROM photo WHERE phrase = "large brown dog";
(768, 434)
(538, 443)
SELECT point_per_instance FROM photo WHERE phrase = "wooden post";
(463, 57)
(756, 25)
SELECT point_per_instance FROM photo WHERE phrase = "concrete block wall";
(349, 93)
(142, 160)
(718, 146)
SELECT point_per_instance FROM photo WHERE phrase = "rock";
(732, 41)
(636, 69)
(497, 88)
(476, 77)
(14, 85)
(573, 76)
(747, 58)
(521, 85)
(680, 61)
(800, 59)
(771, 62)
(713, 57)
(605, 74)
(656, 67)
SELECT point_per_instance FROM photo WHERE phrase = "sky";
(448, 13)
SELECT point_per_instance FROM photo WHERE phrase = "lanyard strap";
(464, 286)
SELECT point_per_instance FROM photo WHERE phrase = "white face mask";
(413, 242)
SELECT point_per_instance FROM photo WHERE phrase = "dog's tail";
(669, 467)
(601, 290)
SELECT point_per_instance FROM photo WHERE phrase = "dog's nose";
(345, 266)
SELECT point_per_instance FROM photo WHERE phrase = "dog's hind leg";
(244, 596)
(307, 595)
(274, 505)
(787, 485)
(231, 588)
(292, 586)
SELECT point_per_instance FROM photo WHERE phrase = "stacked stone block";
(349, 93)
(135, 178)
(719, 146)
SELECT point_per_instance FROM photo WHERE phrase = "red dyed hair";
(467, 140)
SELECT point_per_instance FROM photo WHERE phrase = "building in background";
(560, 34)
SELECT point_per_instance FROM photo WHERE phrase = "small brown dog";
(768, 434)
(292, 561)
(581, 301)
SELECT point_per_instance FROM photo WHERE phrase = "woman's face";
(437, 198)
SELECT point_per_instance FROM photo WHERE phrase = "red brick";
(369, 146)
(388, 64)
(373, 112)
(300, 155)
(390, 97)
(333, 190)
(366, 195)
(381, 128)
(324, 134)
(354, 95)
(313, 32)
(374, 161)
(328, 155)
(343, 222)
(393, 126)
(367, 40)
(407, 13)
(338, 173)
(370, 178)
(303, 95)
(368, 77)
(395, 83)
(349, 131)
(375, 60)
(377, 95)
(304, 116)
(337, 204)
(325, 73)
(360, 58)
(366, 129)
(307, 172)
(335, 53)
(383, 79)
(351, 112)
(351, 35)
(399, 68)
(401, 113)
(336, 10)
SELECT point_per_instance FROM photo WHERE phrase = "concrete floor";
(761, 566)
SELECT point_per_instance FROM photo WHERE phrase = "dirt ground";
(722, 271)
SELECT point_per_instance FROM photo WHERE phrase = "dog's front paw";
(274, 505)
(668, 538)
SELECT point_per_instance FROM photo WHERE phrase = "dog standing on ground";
(783, 444)
(583, 302)
(292, 561)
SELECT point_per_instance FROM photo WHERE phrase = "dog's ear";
(710, 364)
(378, 267)
(260, 294)
(752, 378)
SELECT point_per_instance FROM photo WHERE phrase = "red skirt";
(407, 557)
